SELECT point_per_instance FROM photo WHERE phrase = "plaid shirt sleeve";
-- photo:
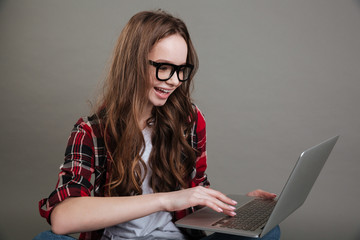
(75, 173)
(199, 144)
(199, 177)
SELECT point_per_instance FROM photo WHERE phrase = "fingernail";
(235, 202)
(220, 210)
(232, 208)
(233, 213)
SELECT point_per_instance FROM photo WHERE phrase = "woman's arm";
(82, 214)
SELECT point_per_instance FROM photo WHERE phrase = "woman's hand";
(262, 194)
(182, 199)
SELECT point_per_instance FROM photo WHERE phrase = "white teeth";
(163, 90)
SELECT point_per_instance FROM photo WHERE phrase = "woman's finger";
(262, 194)
(217, 201)
(220, 196)
(220, 207)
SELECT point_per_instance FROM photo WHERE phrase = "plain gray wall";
(275, 78)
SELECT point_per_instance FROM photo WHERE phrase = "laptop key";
(250, 216)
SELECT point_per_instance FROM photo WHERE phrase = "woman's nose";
(174, 80)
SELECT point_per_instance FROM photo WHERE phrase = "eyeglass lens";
(165, 72)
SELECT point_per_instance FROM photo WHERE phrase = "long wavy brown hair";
(125, 93)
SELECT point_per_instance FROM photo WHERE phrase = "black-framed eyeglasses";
(164, 71)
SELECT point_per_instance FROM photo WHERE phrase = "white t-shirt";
(158, 225)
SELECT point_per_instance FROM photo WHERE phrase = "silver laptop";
(270, 212)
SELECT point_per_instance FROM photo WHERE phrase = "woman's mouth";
(162, 92)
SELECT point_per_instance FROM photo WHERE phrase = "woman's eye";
(164, 68)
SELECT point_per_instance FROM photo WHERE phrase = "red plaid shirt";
(86, 156)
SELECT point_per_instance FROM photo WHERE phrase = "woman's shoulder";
(200, 118)
(89, 124)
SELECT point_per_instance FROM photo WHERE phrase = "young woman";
(139, 162)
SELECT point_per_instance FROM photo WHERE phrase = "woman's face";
(172, 49)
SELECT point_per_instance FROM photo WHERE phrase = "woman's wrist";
(163, 199)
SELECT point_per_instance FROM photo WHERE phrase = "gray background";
(275, 78)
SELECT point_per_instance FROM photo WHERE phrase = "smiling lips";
(162, 92)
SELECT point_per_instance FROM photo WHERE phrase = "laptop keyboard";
(249, 217)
